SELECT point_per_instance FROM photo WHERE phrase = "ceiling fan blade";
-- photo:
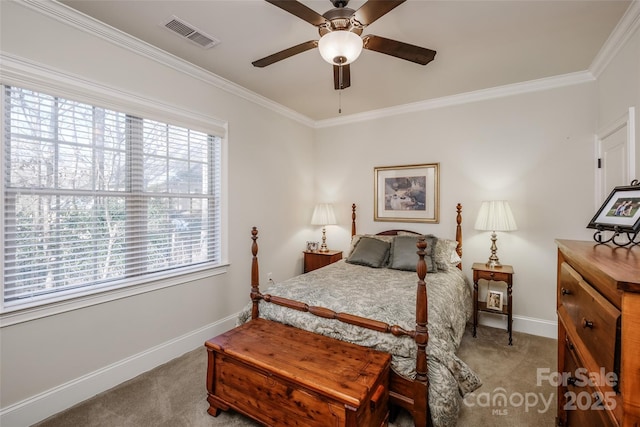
(341, 76)
(300, 10)
(417, 54)
(284, 54)
(374, 9)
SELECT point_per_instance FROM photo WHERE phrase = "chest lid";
(341, 370)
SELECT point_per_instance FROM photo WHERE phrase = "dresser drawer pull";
(565, 291)
(569, 343)
(587, 323)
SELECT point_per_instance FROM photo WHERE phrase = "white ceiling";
(480, 44)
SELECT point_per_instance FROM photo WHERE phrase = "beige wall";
(269, 185)
(619, 89)
(534, 150)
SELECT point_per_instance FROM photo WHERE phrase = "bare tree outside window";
(93, 195)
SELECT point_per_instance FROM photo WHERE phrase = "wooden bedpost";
(255, 276)
(353, 220)
(459, 232)
(421, 337)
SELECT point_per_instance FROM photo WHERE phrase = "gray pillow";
(404, 256)
(370, 252)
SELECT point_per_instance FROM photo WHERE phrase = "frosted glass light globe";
(340, 47)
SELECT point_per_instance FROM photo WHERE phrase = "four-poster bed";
(382, 308)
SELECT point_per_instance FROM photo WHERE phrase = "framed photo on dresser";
(620, 211)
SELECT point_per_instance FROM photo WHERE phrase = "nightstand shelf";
(493, 274)
(482, 306)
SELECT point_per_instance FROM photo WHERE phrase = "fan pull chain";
(340, 87)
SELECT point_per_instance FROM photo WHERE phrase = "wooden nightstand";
(315, 260)
(500, 274)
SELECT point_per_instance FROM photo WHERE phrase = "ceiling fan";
(340, 42)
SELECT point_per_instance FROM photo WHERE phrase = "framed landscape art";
(407, 193)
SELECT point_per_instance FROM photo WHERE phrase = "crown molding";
(624, 30)
(626, 27)
(628, 24)
(24, 72)
(465, 98)
(76, 19)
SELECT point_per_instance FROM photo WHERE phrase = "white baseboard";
(43, 405)
(527, 325)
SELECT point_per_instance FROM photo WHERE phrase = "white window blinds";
(93, 197)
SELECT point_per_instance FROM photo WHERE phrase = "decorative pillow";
(356, 238)
(403, 253)
(445, 254)
(403, 233)
(354, 241)
(370, 252)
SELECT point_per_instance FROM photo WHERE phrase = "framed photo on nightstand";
(494, 300)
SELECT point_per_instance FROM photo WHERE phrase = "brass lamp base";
(493, 262)
(323, 246)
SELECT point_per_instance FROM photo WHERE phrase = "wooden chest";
(282, 376)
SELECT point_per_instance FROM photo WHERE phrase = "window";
(94, 197)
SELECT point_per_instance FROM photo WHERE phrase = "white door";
(615, 156)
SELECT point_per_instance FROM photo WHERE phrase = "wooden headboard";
(396, 231)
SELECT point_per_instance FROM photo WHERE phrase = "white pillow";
(446, 255)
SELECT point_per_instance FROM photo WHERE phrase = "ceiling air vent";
(190, 32)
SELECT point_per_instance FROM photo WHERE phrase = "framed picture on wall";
(407, 193)
(620, 212)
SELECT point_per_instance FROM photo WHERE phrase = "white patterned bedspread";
(388, 296)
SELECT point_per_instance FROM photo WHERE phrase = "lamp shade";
(323, 215)
(340, 47)
(495, 215)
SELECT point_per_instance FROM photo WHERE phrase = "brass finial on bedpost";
(422, 333)
(255, 276)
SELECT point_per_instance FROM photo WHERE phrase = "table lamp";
(323, 215)
(495, 216)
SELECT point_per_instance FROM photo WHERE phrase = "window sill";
(32, 310)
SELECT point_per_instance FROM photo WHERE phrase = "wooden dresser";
(598, 305)
(282, 376)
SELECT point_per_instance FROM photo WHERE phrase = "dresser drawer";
(596, 320)
(583, 404)
(496, 276)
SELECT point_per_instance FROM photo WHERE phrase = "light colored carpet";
(174, 394)
(512, 372)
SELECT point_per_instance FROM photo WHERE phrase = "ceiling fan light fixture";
(340, 47)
